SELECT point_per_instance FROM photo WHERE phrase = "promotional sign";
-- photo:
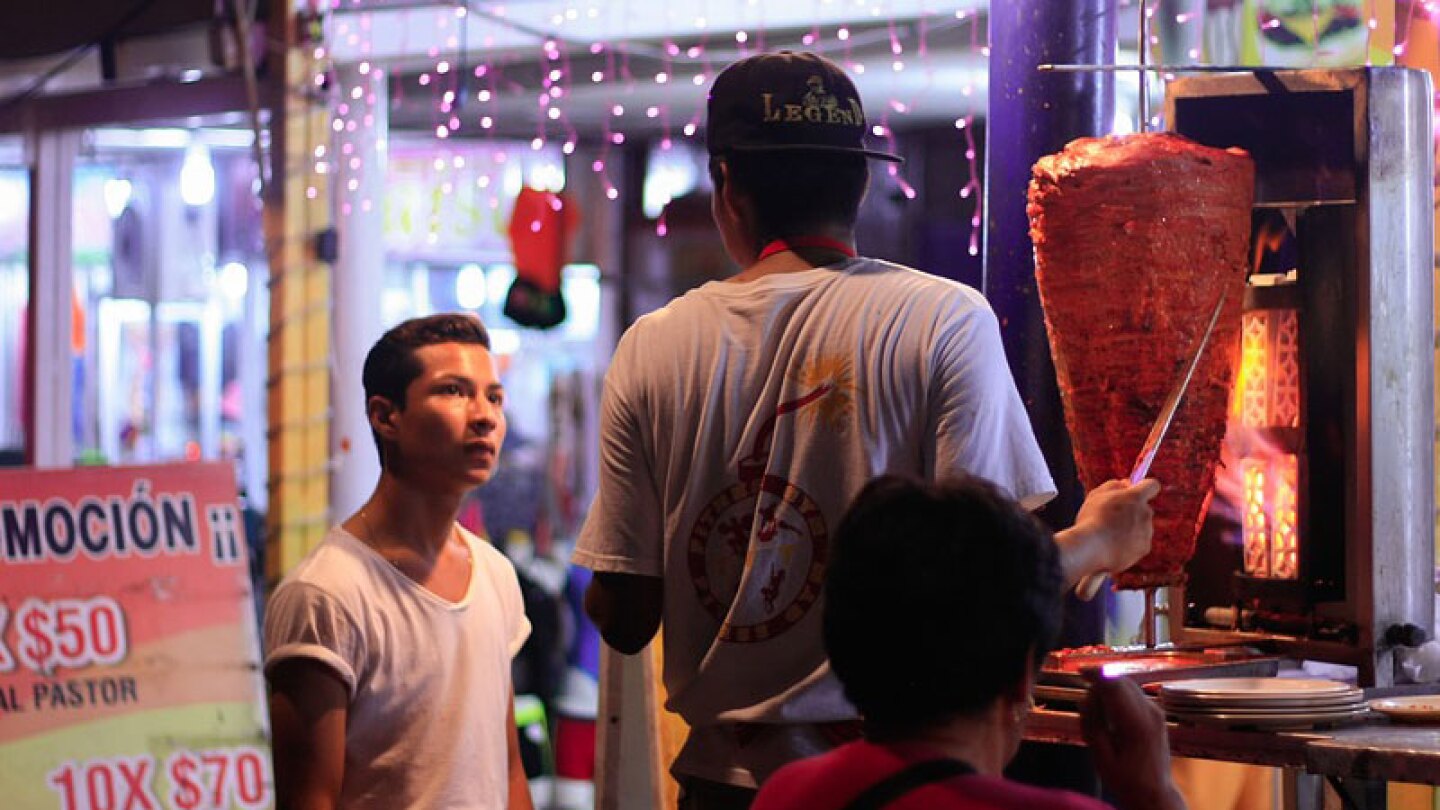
(129, 660)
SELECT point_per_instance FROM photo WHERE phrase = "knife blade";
(1172, 403)
(1091, 583)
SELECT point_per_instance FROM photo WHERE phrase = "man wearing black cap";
(739, 421)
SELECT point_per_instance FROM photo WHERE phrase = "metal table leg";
(1359, 794)
(1307, 791)
(1301, 791)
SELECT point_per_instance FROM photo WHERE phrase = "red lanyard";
(782, 245)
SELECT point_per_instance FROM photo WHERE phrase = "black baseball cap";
(786, 101)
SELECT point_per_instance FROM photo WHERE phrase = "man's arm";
(519, 785)
(307, 720)
(1112, 530)
(626, 609)
(625, 526)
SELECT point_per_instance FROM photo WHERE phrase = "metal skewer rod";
(1142, 49)
(1148, 628)
(1157, 68)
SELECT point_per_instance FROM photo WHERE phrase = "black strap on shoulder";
(907, 779)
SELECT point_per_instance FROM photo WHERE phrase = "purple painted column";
(1034, 114)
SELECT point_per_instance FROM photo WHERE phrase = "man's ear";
(381, 413)
(734, 201)
(1023, 690)
(736, 205)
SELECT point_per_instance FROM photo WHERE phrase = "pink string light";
(464, 95)
(679, 59)
(1403, 42)
(972, 186)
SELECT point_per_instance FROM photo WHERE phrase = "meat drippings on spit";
(1135, 238)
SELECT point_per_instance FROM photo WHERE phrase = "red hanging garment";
(540, 227)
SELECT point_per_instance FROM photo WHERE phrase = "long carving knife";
(1091, 584)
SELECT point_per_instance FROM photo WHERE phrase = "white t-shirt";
(428, 679)
(737, 423)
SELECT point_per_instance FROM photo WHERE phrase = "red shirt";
(832, 780)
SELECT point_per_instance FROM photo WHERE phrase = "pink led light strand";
(972, 187)
(1400, 46)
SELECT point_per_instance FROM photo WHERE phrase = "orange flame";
(1258, 479)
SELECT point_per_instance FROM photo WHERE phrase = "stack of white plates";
(1262, 703)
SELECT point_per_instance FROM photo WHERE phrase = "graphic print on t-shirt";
(768, 526)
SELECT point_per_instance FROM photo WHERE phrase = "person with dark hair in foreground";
(388, 647)
(941, 602)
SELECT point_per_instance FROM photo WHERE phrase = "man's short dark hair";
(795, 193)
(391, 365)
(937, 598)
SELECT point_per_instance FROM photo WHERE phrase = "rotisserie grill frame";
(1348, 154)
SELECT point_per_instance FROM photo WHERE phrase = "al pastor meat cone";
(1135, 239)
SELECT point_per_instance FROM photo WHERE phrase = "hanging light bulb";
(234, 281)
(197, 176)
(470, 289)
(117, 196)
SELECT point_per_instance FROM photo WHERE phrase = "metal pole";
(359, 278)
(1033, 114)
(50, 362)
(1142, 48)
(1147, 631)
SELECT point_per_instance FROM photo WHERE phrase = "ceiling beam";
(150, 101)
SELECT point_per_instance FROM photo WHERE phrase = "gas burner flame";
(1258, 480)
